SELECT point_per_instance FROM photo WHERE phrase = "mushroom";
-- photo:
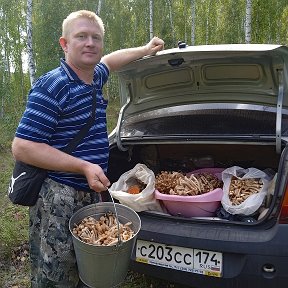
(103, 231)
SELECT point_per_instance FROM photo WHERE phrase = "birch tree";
(248, 21)
(208, 22)
(169, 3)
(151, 19)
(31, 62)
(193, 21)
(99, 7)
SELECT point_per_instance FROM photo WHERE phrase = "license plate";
(180, 258)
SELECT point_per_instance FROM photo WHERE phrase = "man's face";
(84, 44)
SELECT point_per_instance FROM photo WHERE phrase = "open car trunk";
(206, 107)
(185, 158)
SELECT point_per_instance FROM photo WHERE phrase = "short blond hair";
(81, 14)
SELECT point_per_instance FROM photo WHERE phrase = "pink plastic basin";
(204, 205)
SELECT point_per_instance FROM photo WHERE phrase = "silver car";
(215, 106)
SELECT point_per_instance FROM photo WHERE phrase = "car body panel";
(226, 75)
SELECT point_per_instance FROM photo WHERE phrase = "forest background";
(128, 23)
(29, 34)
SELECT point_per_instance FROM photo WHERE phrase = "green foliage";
(127, 25)
(13, 219)
(13, 110)
(112, 113)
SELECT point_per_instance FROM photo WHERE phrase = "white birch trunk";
(248, 21)
(151, 18)
(99, 7)
(193, 17)
(2, 106)
(20, 63)
(278, 23)
(207, 24)
(171, 20)
(31, 62)
(134, 31)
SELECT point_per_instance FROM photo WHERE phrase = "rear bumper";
(259, 256)
(250, 276)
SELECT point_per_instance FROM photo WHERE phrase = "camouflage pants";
(53, 262)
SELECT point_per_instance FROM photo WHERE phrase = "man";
(59, 104)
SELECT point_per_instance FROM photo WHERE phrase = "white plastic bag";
(253, 202)
(145, 200)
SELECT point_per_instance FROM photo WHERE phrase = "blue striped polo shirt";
(59, 104)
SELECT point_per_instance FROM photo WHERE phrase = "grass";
(13, 232)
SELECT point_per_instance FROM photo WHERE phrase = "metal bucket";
(104, 266)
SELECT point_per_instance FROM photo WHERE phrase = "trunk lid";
(211, 92)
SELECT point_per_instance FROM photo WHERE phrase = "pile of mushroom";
(241, 189)
(103, 231)
(175, 183)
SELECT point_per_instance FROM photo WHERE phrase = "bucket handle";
(116, 214)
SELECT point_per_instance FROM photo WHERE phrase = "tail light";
(284, 209)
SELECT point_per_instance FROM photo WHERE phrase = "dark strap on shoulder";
(84, 130)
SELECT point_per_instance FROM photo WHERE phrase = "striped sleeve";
(102, 73)
(40, 117)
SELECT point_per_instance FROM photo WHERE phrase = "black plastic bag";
(25, 184)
